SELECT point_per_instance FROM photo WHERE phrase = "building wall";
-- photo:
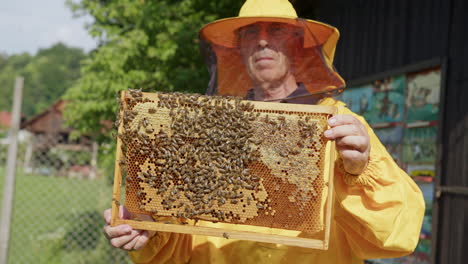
(383, 35)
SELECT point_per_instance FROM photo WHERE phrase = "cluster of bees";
(203, 156)
(294, 154)
(201, 160)
(306, 128)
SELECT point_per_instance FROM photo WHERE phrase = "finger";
(358, 143)
(107, 216)
(141, 240)
(131, 245)
(124, 213)
(351, 155)
(338, 120)
(120, 241)
(354, 161)
(142, 217)
(117, 231)
(343, 131)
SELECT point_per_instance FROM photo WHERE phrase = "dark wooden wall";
(383, 35)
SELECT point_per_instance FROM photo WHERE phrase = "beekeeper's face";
(266, 49)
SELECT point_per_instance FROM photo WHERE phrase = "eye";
(249, 32)
(277, 30)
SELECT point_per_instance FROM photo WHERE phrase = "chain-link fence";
(59, 198)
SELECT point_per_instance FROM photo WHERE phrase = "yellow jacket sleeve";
(164, 248)
(381, 210)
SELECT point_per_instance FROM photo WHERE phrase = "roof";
(5, 119)
(48, 121)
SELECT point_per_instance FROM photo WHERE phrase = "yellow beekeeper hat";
(315, 69)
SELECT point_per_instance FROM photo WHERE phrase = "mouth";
(263, 59)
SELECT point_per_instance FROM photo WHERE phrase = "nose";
(262, 43)
(263, 38)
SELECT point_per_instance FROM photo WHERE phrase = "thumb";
(124, 213)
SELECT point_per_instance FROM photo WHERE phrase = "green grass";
(58, 220)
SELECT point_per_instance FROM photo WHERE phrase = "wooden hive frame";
(236, 231)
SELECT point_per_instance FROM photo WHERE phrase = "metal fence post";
(7, 204)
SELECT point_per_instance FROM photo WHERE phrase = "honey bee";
(283, 153)
(295, 152)
(116, 201)
(152, 110)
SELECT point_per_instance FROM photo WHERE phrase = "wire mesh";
(58, 204)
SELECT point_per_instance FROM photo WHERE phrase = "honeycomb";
(222, 159)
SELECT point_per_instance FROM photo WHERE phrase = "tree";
(10, 67)
(47, 75)
(151, 45)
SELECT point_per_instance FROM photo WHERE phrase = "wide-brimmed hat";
(315, 68)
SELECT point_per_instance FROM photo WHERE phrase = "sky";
(29, 25)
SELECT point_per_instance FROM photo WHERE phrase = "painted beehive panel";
(221, 159)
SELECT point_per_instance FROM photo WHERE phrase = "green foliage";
(54, 158)
(151, 45)
(106, 161)
(47, 75)
(3, 153)
(10, 67)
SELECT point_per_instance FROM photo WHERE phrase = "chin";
(269, 76)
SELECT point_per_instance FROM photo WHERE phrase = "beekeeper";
(267, 53)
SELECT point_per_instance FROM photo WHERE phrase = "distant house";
(5, 119)
(48, 121)
(53, 151)
(49, 124)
